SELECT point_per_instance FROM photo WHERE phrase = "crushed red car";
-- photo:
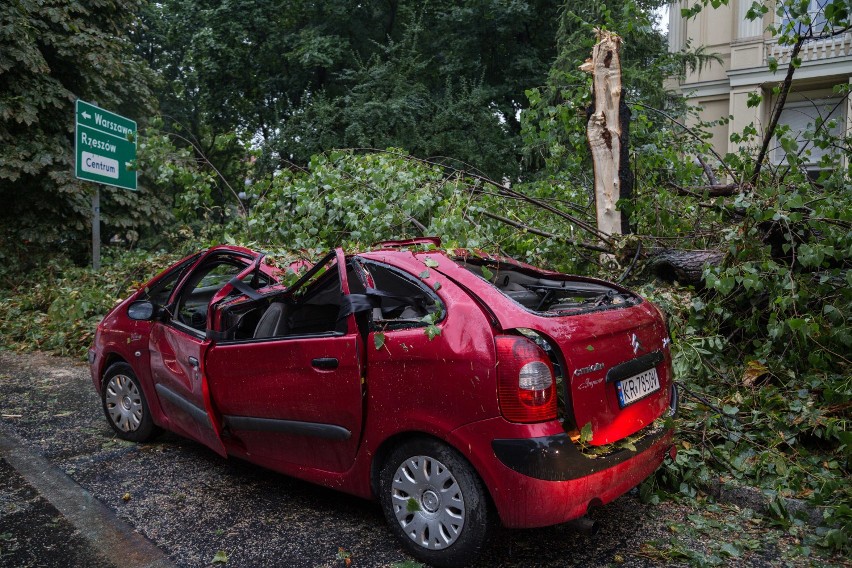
(458, 389)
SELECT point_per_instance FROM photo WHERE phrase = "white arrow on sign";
(86, 115)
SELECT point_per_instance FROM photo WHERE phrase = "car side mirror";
(142, 310)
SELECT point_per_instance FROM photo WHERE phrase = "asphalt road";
(192, 504)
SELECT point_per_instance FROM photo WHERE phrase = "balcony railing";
(818, 50)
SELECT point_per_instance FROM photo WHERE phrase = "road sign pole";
(96, 229)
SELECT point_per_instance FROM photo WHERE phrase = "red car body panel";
(601, 338)
(276, 380)
(324, 407)
(526, 502)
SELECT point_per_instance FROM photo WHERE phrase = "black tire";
(125, 406)
(431, 503)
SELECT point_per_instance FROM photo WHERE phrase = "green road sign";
(105, 146)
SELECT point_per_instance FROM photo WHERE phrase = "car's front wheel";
(124, 404)
(435, 503)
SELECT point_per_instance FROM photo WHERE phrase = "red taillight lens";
(526, 388)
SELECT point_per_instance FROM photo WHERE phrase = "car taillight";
(526, 389)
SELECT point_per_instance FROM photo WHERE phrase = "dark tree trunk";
(684, 266)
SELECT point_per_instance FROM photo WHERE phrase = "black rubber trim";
(557, 458)
(325, 363)
(244, 288)
(312, 429)
(198, 414)
(634, 366)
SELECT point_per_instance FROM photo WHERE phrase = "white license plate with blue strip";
(637, 387)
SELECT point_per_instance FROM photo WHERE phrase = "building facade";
(746, 49)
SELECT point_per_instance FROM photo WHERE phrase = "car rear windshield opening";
(554, 295)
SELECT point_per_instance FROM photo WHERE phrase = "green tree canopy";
(305, 77)
(50, 55)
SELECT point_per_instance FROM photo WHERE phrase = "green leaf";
(590, 348)
(730, 410)
(773, 64)
(220, 557)
(754, 99)
(436, 286)
(432, 331)
(424, 275)
(487, 274)
(430, 263)
(586, 433)
(413, 505)
(379, 340)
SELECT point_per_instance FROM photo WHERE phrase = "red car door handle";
(325, 363)
(193, 362)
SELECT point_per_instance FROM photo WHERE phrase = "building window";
(677, 27)
(748, 28)
(804, 118)
(816, 15)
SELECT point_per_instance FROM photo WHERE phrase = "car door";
(178, 348)
(293, 399)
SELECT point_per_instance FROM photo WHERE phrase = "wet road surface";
(192, 504)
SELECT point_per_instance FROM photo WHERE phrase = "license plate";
(637, 387)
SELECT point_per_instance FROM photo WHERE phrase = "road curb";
(114, 538)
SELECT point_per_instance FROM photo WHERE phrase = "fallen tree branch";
(684, 266)
(547, 207)
(691, 133)
(708, 171)
(721, 190)
(502, 189)
(539, 232)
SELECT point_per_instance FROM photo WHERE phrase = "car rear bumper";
(545, 479)
(526, 502)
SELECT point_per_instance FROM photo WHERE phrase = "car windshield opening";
(549, 293)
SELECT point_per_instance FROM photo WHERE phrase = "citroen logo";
(634, 342)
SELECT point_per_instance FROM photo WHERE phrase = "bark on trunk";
(604, 129)
(684, 266)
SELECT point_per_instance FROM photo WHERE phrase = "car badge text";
(589, 369)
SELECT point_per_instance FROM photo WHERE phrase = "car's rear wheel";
(435, 503)
(125, 406)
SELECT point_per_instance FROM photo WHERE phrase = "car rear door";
(296, 400)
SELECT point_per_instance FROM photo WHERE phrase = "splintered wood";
(604, 128)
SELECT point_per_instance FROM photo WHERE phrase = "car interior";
(388, 300)
(550, 295)
(191, 306)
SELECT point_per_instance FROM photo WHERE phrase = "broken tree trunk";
(684, 266)
(604, 128)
